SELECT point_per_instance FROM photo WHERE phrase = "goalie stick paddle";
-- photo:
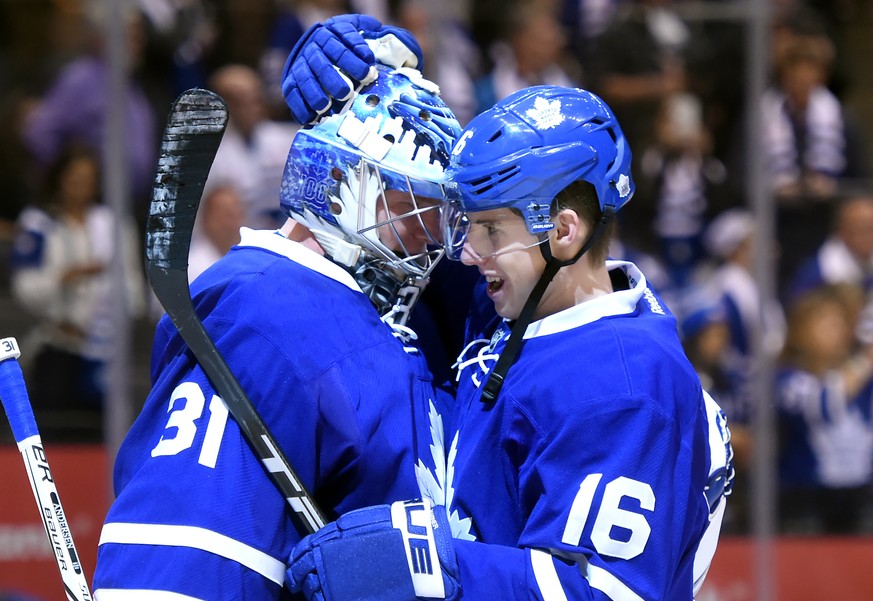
(194, 128)
(13, 394)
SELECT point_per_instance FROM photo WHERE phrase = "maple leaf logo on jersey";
(432, 484)
(437, 485)
(546, 114)
(461, 527)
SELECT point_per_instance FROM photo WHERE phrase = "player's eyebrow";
(490, 220)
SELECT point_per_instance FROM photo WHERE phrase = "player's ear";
(569, 234)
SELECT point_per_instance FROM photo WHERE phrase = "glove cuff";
(416, 522)
(391, 51)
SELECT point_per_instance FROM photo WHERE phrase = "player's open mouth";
(494, 283)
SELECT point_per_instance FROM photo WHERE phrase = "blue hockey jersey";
(600, 470)
(196, 515)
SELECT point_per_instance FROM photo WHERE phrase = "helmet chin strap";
(516, 336)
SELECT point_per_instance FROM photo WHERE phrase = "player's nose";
(469, 256)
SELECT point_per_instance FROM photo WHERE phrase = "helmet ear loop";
(599, 228)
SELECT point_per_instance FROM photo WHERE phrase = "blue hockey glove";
(332, 60)
(398, 552)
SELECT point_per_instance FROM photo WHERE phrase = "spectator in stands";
(847, 254)
(530, 52)
(62, 276)
(811, 142)
(254, 148)
(453, 59)
(733, 303)
(73, 111)
(679, 184)
(216, 228)
(706, 339)
(584, 20)
(180, 38)
(636, 63)
(825, 401)
(729, 239)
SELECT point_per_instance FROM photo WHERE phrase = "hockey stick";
(13, 394)
(194, 129)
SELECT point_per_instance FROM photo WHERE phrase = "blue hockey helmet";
(396, 134)
(526, 149)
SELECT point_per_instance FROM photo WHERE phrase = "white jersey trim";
(620, 302)
(717, 444)
(117, 594)
(195, 538)
(274, 242)
(708, 543)
(546, 576)
(609, 585)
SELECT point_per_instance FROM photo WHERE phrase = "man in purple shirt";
(74, 109)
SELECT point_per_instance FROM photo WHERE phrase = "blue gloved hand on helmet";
(332, 60)
(398, 552)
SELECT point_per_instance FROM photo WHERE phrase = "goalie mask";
(528, 148)
(368, 182)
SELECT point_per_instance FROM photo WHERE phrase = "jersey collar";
(621, 302)
(275, 242)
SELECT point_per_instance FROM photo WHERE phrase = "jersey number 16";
(632, 526)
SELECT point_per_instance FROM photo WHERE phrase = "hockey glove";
(332, 60)
(400, 552)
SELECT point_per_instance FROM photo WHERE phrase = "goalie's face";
(397, 215)
(409, 224)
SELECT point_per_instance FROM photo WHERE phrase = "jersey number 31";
(184, 419)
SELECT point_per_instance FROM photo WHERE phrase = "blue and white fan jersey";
(196, 515)
(826, 432)
(600, 472)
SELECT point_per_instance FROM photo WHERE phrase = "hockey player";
(586, 461)
(345, 395)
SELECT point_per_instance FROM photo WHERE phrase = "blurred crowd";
(676, 81)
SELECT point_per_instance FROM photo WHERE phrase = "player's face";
(499, 244)
(413, 223)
